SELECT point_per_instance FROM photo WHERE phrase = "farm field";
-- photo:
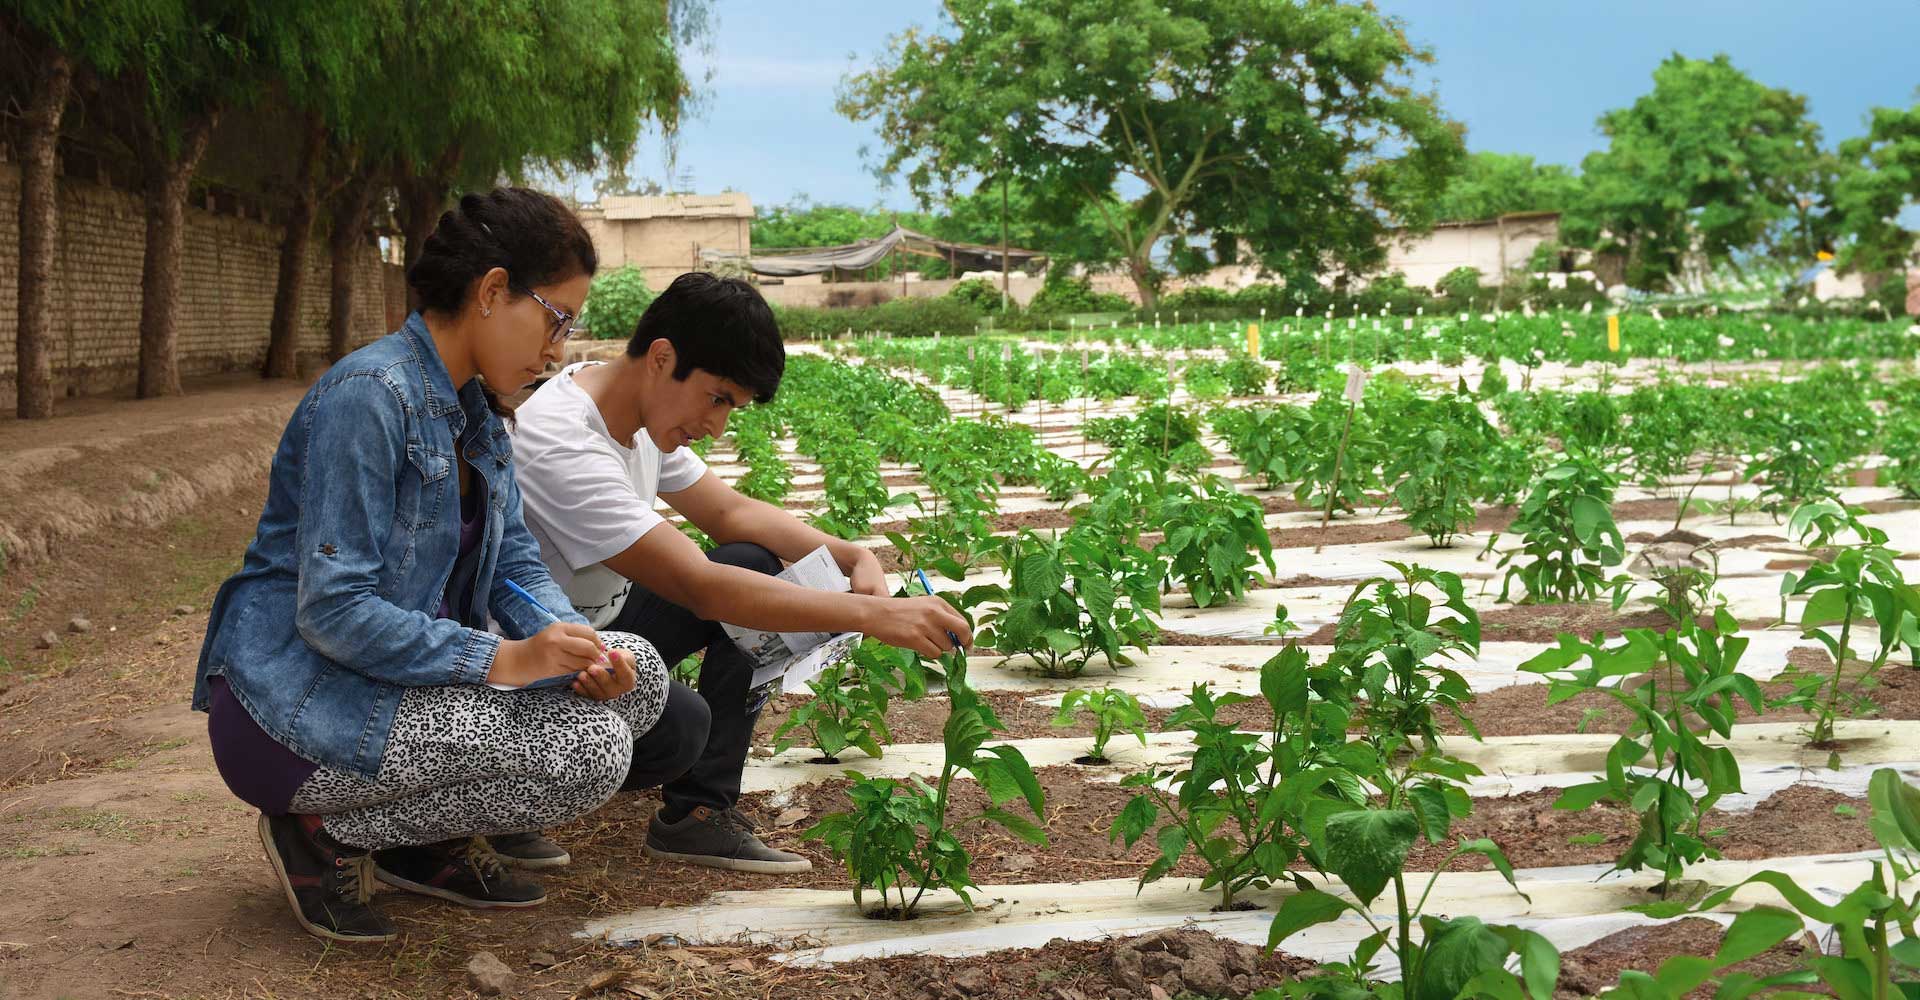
(1476, 667)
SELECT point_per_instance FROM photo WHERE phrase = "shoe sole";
(530, 864)
(731, 864)
(265, 828)
(450, 896)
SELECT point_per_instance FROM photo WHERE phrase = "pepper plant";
(1211, 537)
(1386, 649)
(899, 835)
(1858, 584)
(1567, 535)
(1071, 597)
(1112, 710)
(1691, 680)
(1238, 801)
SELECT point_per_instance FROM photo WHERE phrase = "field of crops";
(1434, 652)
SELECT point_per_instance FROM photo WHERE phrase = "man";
(593, 447)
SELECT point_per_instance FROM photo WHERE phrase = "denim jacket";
(332, 614)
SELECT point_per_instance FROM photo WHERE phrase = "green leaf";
(1367, 847)
(1283, 681)
(1019, 826)
(1455, 953)
(1302, 910)
(1753, 932)
(1015, 764)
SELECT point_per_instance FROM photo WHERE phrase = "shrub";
(1459, 284)
(615, 301)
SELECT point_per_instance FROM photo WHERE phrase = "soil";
(1522, 709)
(1594, 968)
(1796, 820)
(1176, 962)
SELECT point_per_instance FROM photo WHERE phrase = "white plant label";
(1356, 384)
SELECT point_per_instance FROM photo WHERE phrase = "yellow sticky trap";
(1613, 333)
(1253, 339)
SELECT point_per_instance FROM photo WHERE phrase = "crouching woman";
(354, 692)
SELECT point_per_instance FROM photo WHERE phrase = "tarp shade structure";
(866, 253)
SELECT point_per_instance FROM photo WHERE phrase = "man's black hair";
(719, 325)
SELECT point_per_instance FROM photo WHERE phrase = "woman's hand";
(607, 681)
(560, 648)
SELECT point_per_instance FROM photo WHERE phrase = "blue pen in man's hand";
(927, 585)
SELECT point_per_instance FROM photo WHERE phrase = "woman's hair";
(531, 234)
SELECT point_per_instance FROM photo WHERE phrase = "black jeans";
(699, 747)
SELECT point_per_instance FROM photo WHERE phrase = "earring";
(484, 311)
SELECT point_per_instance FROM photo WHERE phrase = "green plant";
(1567, 535)
(1231, 803)
(615, 300)
(1113, 711)
(855, 491)
(1388, 636)
(1460, 285)
(848, 709)
(1858, 584)
(1875, 923)
(1211, 539)
(1265, 439)
(1071, 597)
(1678, 685)
(898, 833)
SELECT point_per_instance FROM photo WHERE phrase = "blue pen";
(534, 603)
(927, 585)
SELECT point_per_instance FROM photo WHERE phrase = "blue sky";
(1526, 77)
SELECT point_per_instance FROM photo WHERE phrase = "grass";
(24, 606)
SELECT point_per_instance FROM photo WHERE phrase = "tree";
(1494, 184)
(54, 43)
(481, 90)
(1880, 177)
(1710, 160)
(1288, 124)
(200, 58)
(320, 53)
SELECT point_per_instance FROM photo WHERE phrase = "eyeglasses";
(562, 320)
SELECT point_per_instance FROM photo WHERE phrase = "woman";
(354, 693)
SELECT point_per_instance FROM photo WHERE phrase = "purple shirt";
(257, 768)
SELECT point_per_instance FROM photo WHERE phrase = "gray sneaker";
(528, 850)
(718, 839)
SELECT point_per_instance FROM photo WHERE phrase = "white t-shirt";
(587, 497)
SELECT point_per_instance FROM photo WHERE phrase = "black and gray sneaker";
(464, 871)
(528, 850)
(328, 884)
(718, 838)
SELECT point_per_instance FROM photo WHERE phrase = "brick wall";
(226, 295)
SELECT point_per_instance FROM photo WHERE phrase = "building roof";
(726, 205)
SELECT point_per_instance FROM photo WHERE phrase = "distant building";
(1497, 247)
(662, 235)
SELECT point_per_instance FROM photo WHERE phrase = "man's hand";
(921, 624)
(866, 575)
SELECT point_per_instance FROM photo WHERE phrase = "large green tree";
(1288, 123)
(50, 45)
(1880, 178)
(1709, 160)
(1494, 184)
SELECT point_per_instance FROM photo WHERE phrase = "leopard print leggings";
(472, 760)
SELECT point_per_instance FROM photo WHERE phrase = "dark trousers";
(699, 747)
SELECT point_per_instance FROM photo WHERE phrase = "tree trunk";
(1141, 271)
(167, 182)
(39, 233)
(283, 332)
(349, 226)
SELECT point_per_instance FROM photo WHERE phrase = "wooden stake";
(1333, 490)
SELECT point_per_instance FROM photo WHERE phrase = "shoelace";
(741, 820)
(481, 858)
(356, 878)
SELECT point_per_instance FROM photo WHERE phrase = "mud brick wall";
(226, 295)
